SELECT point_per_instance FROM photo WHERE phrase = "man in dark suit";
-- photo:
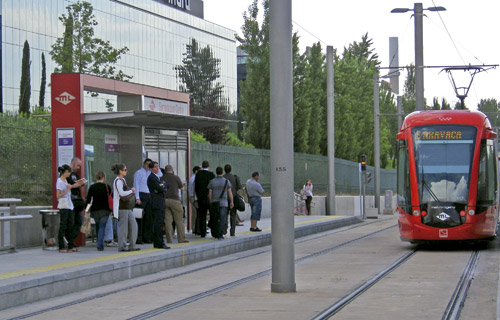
(157, 191)
(201, 181)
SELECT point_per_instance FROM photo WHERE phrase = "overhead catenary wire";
(312, 34)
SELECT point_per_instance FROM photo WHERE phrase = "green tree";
(255, 90)
(316, 73)
(199, 74)
(80, 51)
(409, 98)
(491, 108)
(354, 101)
(43, 83)
(25, 85)
(302, 105)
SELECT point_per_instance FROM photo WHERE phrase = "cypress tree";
(41, 100)
(25, 85)
(67, 49)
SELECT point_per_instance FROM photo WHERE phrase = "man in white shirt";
(143, 199)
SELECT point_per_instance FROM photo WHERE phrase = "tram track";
(455, 303)
(333, 309)
(213, 291)
(457, 300)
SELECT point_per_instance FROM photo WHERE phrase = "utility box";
(388, 209)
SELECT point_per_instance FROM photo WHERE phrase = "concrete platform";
(34, 274)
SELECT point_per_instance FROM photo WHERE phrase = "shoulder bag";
(126, 202)
(239, 202)
(110, 198)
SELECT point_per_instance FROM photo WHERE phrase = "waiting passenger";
(255, 191)
(221, 199)
(65, 206)
(99, 210)
(127, 226)
(173, 211)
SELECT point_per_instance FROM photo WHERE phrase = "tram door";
(169, 147)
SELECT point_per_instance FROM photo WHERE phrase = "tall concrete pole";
(376, 126)
(399, 104)
(331, 130)
(419, 56)
(394, 64)
(282, 219)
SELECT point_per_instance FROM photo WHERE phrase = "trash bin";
(50, 228)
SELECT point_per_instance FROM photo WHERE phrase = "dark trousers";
(308, 205)
(233, 220)
(77, 222)
(214, 222)
(201, 218)
(145, 225)
(159, 216)
(66, 228)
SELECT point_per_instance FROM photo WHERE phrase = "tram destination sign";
(428, 133)
(440, 135)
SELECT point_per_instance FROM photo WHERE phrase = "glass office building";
(155, 31)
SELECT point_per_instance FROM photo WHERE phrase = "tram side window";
(404, 195)
(487, 177)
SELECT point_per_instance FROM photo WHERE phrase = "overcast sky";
(473, 26)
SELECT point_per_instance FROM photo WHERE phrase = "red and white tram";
(447, 177)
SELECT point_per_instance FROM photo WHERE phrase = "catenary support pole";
(331, 130)
(419, 57)
(399, 104)
(282, 188)
(376, 126)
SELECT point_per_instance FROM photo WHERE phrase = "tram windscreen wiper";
(424, 184)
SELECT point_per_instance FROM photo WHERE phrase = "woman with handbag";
(65, 206)
(99, 209)
(307, 194)
(123, 203)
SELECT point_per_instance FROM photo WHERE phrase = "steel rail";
(208, 292)
(333, 309)
(458, 297)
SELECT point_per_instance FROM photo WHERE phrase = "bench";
(11, 218)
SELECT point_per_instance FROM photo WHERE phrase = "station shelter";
(146, 122)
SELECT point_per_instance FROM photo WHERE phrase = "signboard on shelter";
(65, 146)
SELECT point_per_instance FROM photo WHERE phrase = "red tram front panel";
(447, 176)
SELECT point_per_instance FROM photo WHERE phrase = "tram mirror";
(489, 135)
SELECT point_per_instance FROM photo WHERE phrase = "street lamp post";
(419, 49)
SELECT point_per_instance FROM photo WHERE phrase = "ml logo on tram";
(443, 216)
(65, 98)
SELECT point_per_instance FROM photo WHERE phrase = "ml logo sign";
(65, 98)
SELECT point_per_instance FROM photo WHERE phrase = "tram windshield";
(443, 158)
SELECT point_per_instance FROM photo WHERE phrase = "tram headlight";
(471, 212)
(416, 213)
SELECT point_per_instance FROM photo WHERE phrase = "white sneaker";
(111, 244)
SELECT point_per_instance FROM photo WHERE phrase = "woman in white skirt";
(127, 226)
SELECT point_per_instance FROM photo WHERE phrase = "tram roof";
(427, 117)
